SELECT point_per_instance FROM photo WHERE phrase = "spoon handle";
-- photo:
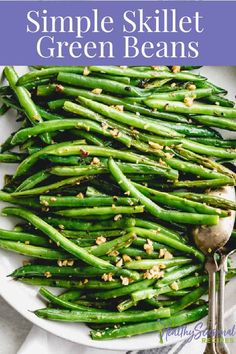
(221, 347)
(211, 269)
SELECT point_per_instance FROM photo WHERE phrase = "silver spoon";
(209, 240)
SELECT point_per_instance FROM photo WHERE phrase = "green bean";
(153, 225)
(32, 159)
(23, 95)
(113, 210)
(189, 129)
(92, 234)
(5, 90)
(33, 180)
(32, 251)
(6, 145)
(208, 149)
(212, 121)
(57, 104)
(178, 202)
(110, 246)
(73, 224)
(149, 263)
(153, 208)
(180, 284)
(55, 201)
(104, 84)
(135, 72)
(125, 305)
(3, 109)
(37, 270)
(126, 118)
(12, 104)
(188, 299)
(29, 202)
(70, 295)
(180, 95)
(50, 187)
(47, 73)
(204, 161)
(179, 293)
(25, 100)
(63, 303)
(139, 242)
(188, 167)
(83, 242)
(230, 144)
(156, 236)
(11, 157)
(125, 290)
(159, 303)
(76, 284)
(195, 108)
(27, 238)
(92, 304)
(47, 115)
(134, 252)
(122, 79)
(215, 89)
(67, 160)
(125, 167)
(89, 137)
(215, 99)
(160, 73)
(190, 67)
(57, 237)
(98, 316)
(66, 124)
(205, 184)
(177, 320)
(212, 200)
(177, 274)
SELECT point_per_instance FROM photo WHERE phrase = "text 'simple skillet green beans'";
(113, 167)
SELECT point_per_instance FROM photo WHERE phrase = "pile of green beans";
(113, 168)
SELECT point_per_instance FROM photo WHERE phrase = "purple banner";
(117, 33)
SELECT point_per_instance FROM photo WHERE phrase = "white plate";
(23, 298)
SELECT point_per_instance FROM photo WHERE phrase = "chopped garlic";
(117, 217)
(47, 274)
(118, 107)
(119, 263)
(188, 101)
(155, 145)
(174, 286)
(86, 71)
(148, 247)
(100, 240)
(80, 195)
(191, 87)
(154, 273)
(126, 258)
(97, 91)
(176, 69)
(125, 280)
(107, 277)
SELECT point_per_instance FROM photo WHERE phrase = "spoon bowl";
(211, 238)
